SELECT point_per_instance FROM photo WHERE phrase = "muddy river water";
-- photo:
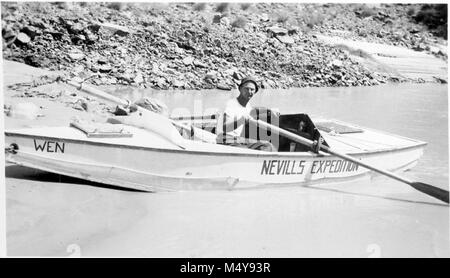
(52, 215)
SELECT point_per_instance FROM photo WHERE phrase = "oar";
(428, 189)
(119, 101)
(195, 133)
(114, 99)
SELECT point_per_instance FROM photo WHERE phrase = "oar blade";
(433, 191)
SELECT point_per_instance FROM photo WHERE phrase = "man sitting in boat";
(236, 115)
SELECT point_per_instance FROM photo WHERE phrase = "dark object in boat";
(299, 124)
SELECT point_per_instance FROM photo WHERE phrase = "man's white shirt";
(234, 110)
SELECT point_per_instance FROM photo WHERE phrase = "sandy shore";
(410, 64)
(55, 111)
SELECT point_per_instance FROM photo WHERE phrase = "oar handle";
(98, 93)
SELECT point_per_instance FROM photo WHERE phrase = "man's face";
(248, 90)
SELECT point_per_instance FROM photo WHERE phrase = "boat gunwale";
(212, 153)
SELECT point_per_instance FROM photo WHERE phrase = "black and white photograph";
(225, 130)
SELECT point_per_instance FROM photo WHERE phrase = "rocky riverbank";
(207, 46)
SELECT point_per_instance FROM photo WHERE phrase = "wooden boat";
(156, 156)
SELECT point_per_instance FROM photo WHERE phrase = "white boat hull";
(203, 166)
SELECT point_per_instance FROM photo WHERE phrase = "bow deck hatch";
(103, 130)
(329, 126)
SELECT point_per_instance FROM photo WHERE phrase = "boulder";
(271, 84)
(225, 21)
(105, 68)
(31, 31)
(81, 105)
(102, 61)
(229, 72)
(264, 17)
(76, 55)
(161, 82)
(94, 27)
(76, 28)
(337, 63)
(420, 47)
(117, 29)
(211, 75)
(55, 34)
(39, 23)
(23, 39)
(90, 36)
(199, 64)
(237, 75)
(286, 39)
(277, 31)
(223, 86)
(139, 78)
(78, 38)
(127, 77)
(171, 71)
(265, 85)
(9, 35)
(188, 60)
(178, 83)
(77, 70)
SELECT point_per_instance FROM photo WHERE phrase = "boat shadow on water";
(26, 173)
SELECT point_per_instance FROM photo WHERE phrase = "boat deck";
(359, 140)
(366, 140)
